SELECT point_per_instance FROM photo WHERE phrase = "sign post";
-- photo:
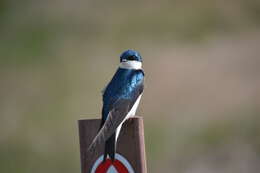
(130, 153)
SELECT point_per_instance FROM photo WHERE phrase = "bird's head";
(130, 55)
(131, 59)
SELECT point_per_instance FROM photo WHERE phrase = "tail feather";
(110, 148)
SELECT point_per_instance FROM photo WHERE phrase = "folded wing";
(115, 117)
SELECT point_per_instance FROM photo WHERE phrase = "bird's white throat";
(131, 65)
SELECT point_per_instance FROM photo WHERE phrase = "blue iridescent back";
(126, 84)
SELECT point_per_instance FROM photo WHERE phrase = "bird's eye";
(131, 58)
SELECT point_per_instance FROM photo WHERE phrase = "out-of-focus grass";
(200, 59)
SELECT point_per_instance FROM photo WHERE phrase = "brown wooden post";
(130, 144)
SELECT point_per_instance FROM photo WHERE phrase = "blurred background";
(202, 95)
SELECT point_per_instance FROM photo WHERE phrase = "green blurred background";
(202, 95)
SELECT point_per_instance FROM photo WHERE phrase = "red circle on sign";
(120, 165)
(103, 168)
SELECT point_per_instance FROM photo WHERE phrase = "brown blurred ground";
(201, 101)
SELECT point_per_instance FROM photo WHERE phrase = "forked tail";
(110, 148)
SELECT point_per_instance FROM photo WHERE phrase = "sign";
(120, 165)
(131, 148)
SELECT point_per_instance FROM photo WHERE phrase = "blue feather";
(125, 84)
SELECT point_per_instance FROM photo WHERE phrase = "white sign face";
(120, 165)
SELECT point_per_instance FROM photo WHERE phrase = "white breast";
(136, 65)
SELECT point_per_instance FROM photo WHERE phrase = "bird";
(121, 98)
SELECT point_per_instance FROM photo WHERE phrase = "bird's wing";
(115, 117)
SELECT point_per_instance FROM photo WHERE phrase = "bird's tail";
(110, 148)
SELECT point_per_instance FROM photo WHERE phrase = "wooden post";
(130, 146)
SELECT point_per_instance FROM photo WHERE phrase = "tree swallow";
(121, 98)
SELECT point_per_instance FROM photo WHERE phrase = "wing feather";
(114, 119)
